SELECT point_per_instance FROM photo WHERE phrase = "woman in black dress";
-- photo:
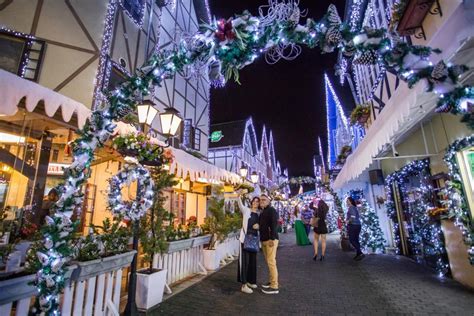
(320, 228)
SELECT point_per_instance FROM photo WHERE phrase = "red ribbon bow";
(224, 30)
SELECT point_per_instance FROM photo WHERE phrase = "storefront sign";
(216, 136)
(57, 168)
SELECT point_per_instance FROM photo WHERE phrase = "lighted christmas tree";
(371, 235)
(331, 220)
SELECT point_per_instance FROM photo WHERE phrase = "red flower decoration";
(224, 30)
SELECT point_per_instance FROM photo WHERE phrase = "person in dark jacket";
(269, 239)
(354, 227)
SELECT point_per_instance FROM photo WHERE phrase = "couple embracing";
(259, 225)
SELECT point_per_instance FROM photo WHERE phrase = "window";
(21, 54)
(135, 9)
(197, 139)
(116, 75)
(187, 137)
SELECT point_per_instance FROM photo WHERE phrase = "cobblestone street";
(377, 285)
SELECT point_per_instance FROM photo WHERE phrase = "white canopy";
(397, 116)
(13, 89)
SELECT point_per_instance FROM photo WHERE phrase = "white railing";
(184, 258)
(93, 289)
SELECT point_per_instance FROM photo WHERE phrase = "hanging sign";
(216, 136)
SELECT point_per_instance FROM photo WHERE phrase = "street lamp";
(170, 121)
(254, 177)
(244, 171)
(146, 113)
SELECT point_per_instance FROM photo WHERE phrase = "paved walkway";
(377, 285)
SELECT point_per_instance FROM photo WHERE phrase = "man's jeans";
(307, 228)
(270, 257)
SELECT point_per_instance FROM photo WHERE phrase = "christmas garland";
(133, 210)
(457, 203)
(221, 50)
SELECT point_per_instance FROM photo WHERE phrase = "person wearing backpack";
(320, 211)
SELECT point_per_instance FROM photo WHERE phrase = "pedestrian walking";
(269, 239)
(306, 216)
(300, 230)
(354, 227)
(320, 211)
(249, 245)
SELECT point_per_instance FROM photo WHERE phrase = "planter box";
(150, 288)
(19, 288)
(174, 246)
(88, 269)
(201, 240)
(412, 19)
(211, 259)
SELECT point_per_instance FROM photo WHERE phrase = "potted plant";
(216, 227)
(360, 114)
(150, 281)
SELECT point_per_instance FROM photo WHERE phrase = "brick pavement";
(377, 285)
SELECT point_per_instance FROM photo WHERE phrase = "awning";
(14, 89)
(186, 165)
(396, 114)
(408, 107)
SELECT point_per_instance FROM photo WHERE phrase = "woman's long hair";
(323, 208)
(351, 199)
(255, 198)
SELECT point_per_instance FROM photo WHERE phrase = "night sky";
(287, 97)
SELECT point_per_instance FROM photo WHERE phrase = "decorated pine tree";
(331, 219)
(371, 235)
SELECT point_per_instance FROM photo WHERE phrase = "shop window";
(21, 54)
(27, 171)
(135, 9)
(466, 163)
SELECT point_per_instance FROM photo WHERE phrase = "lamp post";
(170, 122)
(146, 114)
(254, 177)
(244, 171)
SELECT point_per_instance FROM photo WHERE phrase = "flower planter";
(150, 288)
(88, 269)
(174, 246)
(18, 288)
(201, 240)
(134, 153)
(211, 259)
(412, 19)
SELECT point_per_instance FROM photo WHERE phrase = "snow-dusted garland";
(132, 171)
(221, 50)
(457, 202)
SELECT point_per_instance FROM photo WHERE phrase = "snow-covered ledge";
(13, 89)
